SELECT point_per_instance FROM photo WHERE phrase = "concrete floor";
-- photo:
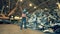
(14, 29)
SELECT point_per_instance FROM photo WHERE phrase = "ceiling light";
(30, 4)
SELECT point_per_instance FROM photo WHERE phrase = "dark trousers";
(23, 23)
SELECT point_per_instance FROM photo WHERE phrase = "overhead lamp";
(58, 4)
(20, 0)
(16, 17)
(12, 16)
(35, 7)
(30, 4)
(46, 9)
(7, 6)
